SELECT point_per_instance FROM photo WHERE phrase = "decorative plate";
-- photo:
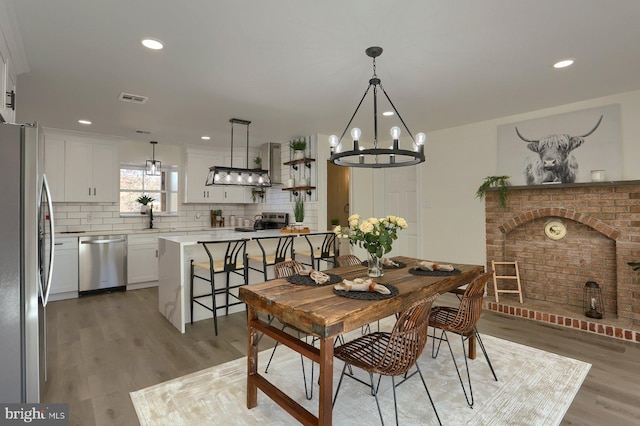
(306, 280)
(422, 272)
(368, 295)
(555, 230)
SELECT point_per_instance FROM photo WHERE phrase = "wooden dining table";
(318, 311)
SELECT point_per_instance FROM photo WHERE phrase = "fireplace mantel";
(573, 185)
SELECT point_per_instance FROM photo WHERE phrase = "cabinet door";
(234, 194)
(142, 263)
(54, 165)
(197, 170)
(78, 159)
(65, 266)
(105, 173)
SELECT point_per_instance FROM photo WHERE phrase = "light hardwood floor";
(102, 347)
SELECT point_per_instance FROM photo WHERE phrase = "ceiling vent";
(136, 99)
(143, 132)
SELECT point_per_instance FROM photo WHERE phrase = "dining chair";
(225, 257)
(348, 260)
(390, 354)
(325, 250)
(283, 270)
(463, 321)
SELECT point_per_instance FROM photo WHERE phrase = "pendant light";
(376, 157)
(234, 176)
(153, 166)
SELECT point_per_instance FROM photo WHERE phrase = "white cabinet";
(196, 172)
(54, 164)
(7, 84)
(142, 258)
(65, 269)
(91, 170)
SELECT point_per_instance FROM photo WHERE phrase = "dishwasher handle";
(120, 240)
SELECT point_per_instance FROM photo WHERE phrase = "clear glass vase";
(374, 266)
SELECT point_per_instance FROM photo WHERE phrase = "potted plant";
(500, 182)
(255, 193)
(258, 163)
(335, 222)
(298, 147)
(144, 200)
(634, 265)
(298, 210)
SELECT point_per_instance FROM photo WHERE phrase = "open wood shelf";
(300, 161)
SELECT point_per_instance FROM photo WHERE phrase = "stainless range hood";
(272, 160)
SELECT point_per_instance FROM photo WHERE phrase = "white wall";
(458, 159)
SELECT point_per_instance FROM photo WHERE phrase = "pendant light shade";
(235, 176)
(376, 157)
(153, 166)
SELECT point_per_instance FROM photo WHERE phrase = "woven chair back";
(407, 340)
(234, 254)
(287, 268)
(470, 306)
(348, 260)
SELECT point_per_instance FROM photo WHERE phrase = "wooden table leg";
(326, 381)
(252, 358)
(472, 347)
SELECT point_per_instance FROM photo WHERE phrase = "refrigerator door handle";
(47, 285)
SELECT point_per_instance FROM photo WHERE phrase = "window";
(163, 189)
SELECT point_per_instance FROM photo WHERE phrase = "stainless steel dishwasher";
(102, 263)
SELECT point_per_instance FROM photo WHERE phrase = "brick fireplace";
(603, 234)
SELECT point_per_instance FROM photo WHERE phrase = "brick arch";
(587, 220)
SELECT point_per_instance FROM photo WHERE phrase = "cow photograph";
(564, 148)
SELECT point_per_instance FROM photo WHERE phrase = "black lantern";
(592, 304)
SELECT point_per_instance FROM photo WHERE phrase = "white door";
(401, 200)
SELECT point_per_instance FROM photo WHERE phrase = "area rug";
(534, 387)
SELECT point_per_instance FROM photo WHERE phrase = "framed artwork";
(563, 148)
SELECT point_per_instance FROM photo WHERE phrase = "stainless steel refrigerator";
(26, 262)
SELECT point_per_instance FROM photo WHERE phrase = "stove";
(274, 220)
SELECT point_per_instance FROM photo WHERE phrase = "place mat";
(306, 280)
(368, 295)
(400, 265)
(422, 272)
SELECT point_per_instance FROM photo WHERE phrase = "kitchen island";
(174, 260)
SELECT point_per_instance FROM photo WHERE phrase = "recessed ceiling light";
(152, 43)
(205, 138)
(387, 113)
(84, 122)
(564, 63)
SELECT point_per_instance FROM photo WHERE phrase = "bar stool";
(283, 252)
(327, 251)
(233, 262)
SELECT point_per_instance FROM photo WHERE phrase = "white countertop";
(186, 240)
(143, 231)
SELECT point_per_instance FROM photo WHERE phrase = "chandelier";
(220, 175)
(376, 157)
(153, 166)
